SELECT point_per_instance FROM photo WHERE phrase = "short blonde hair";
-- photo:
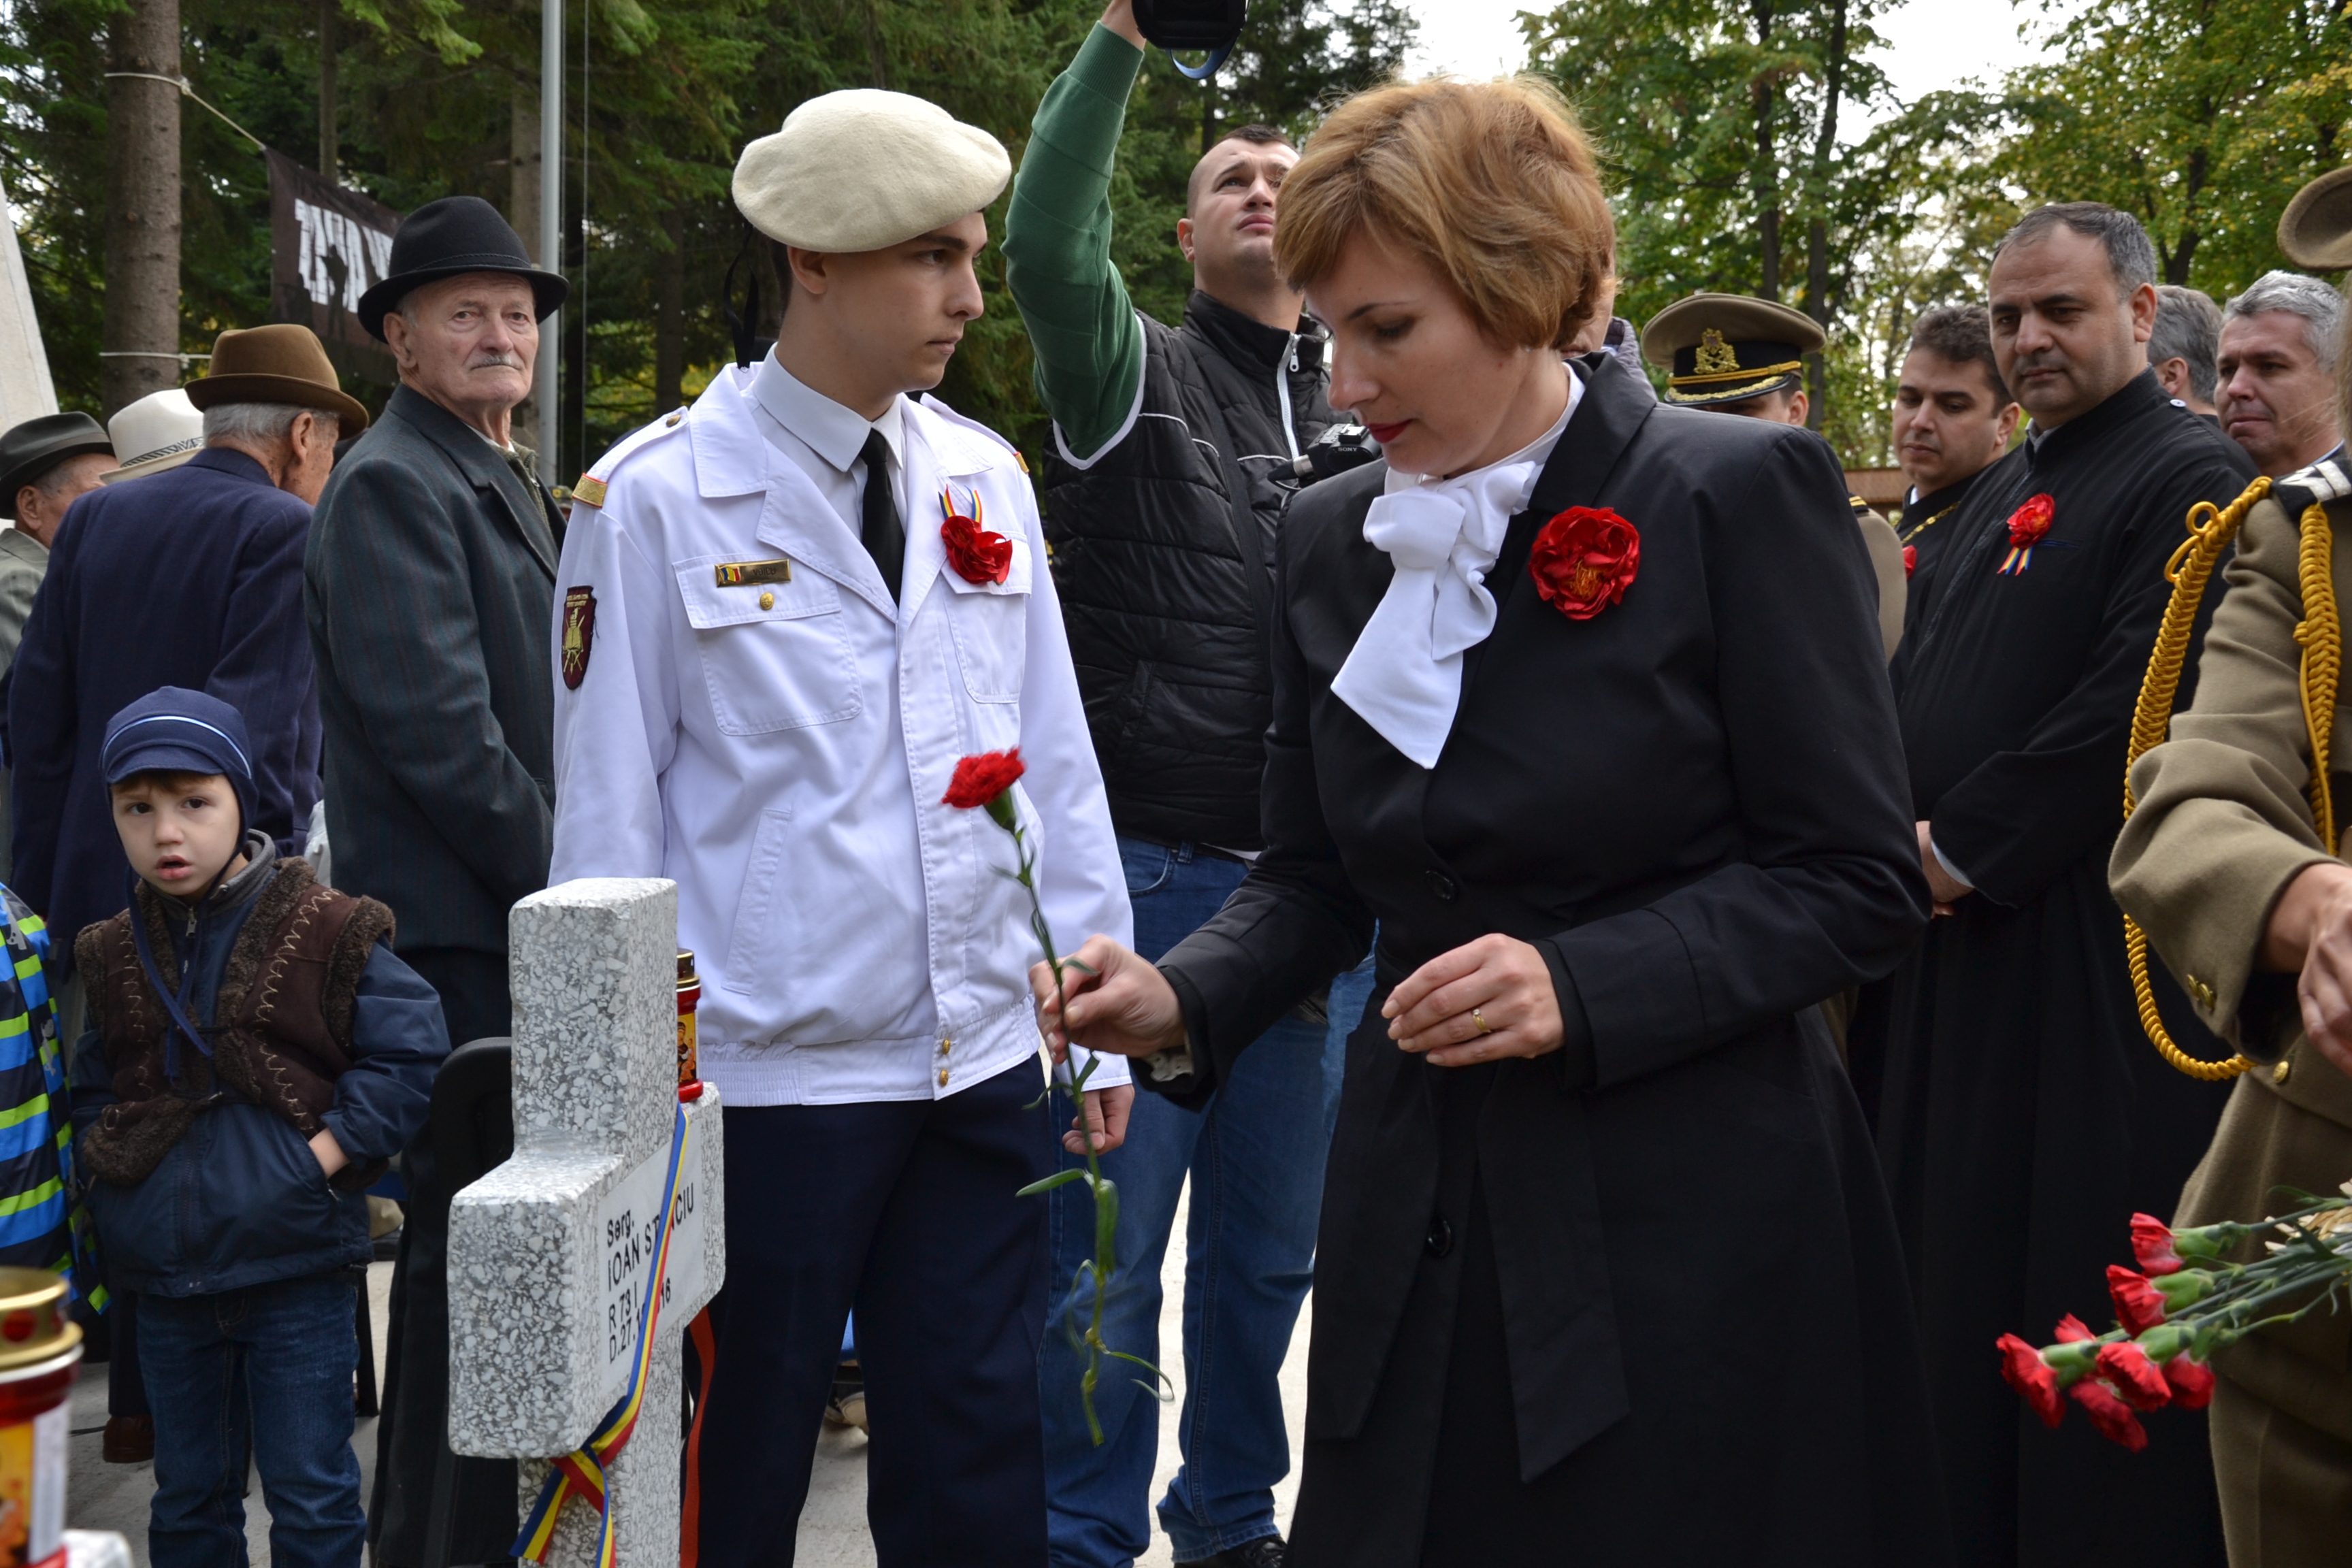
(1493, 184)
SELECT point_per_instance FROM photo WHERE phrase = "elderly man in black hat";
(430, 592)
(44, 463)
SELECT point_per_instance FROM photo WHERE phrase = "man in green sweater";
(1174, 448)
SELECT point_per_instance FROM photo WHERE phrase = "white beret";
(862, 169)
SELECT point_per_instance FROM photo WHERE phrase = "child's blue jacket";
(240, 1200)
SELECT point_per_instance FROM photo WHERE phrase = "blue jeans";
(1256, 1156)
(289, 1351)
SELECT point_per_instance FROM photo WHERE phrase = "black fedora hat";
(447, 239)
(31, 449)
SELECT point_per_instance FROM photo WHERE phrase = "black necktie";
(885, 535)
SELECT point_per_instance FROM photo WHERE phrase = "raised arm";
(1088, 344)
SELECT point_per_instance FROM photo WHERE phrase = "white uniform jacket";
(780, 745)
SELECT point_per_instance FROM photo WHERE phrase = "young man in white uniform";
(771, 662)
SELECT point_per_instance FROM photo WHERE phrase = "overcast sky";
(1932, 43)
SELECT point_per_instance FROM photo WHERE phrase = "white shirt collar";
(833, 431)
(1403, 676)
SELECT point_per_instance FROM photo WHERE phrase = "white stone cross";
(548, 1254)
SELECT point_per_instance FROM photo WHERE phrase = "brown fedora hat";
(281, 364)
(2315, 230)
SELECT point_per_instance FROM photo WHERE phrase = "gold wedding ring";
(1480, 1019)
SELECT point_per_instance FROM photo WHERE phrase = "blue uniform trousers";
(904, 1210)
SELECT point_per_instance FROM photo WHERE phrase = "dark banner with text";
(329, 246)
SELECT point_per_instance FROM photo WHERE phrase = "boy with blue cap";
(256, 1054)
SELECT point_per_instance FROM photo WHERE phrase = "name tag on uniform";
(752, 573)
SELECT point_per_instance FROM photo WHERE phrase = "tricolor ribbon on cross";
(581, 1473)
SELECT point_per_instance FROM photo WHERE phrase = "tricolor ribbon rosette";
(2028, 526)
(976, 554)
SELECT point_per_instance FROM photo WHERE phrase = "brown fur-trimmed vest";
(283, 1016)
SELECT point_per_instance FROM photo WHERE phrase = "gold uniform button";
(2279, 1073)
(943, 1077)
(671, 422)
(767, 601)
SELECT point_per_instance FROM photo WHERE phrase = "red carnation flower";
(977, 555)
(2030, 522)
(2136, 1377)
(2192, 1383)
(1583, 559)
(987, 781)
(2152, 1245)
(1910, 559)
(2072, 1330)
(2139, 1305)
(2110, 1415)
(2025, 1370)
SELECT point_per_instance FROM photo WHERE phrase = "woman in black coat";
(1581, 699)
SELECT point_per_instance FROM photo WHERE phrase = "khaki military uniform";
(2222, 827)
(1878, 537)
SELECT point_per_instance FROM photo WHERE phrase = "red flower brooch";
(1583, 561)
(2026, 527)
(977, 555)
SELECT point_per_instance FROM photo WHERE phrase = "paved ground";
(832, 1527)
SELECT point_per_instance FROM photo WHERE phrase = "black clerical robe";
(2021, 1115)
(1926, 526)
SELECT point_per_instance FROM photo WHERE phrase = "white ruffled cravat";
(1403, 676)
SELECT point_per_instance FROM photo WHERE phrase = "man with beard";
(2021, 1118)
(1953, 416)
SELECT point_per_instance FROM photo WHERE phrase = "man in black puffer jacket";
(1166, 586)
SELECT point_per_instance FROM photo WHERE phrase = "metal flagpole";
(550, 224)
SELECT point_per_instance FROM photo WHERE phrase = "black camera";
(1337, 450)
(1211, 25)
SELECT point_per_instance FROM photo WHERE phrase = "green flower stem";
(1106, 1193)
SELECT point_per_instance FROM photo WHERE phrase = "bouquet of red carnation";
(985, 783)
(2176, 1309)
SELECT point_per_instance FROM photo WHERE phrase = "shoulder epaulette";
(2324, 482)
(594, 484)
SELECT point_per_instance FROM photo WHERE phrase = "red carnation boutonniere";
(1584, 560)
(977, 555)
(2028, 525)
(1910, 559)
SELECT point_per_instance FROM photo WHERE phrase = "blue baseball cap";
(175, 730)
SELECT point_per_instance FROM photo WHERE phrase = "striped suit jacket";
(429, 586)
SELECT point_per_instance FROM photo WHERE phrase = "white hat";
(159, 431)
(862, 169)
